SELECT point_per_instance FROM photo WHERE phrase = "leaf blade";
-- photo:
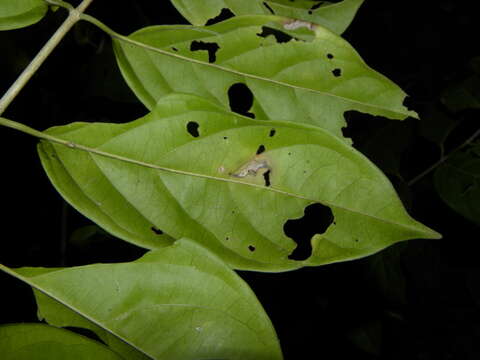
(28, 341)
(211, 188)
(179, 302)
(21, 13)
(335, 16)
(312, 82)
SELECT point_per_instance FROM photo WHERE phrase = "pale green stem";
(25, 76)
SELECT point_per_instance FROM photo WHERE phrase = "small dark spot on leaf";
(240, 99)
(233, 211)
(266, 177)
(211, 47)
(224, 15)
(225, 137)
(357, 240)
(251, 248)
(316, 220)
(337, 72)
(280, 37)
(330, 56)
(304, 171)
(289, 153)
(268, 8)
(260, 149)
(192, 128)
(272, 132)
(174, 48)
(227, 238)
(156, 230)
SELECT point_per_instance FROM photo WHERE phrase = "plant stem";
(443, 159)
(25, 76)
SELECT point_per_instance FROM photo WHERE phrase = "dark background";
(415, 300)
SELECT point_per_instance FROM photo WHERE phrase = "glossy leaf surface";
(16, 14)
(312, 82)
(43, 342)
(458, 183)
(178, 303)
(334, 16)
(191, 169)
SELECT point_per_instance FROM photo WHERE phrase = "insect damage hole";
(156, 230)
(268, 7)
(260, 149)
(211, 47)
(330, 56)
(251, 248)
(223, 15)
(266, 177)
(272, 132)
(192, 128)
(316, 220)
(240, 99)
(280, 37)
(314, 7)
(337, 72)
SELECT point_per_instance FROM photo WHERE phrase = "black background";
(415, 300)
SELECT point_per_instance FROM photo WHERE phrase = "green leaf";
(457, 181)
(43, 342)
(294, 81)
(334, 16)
(194, 170)
(16, 14)
(179, 302)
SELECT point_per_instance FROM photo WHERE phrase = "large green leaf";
(191, 169)
(177, 303)
(312, 82)
(16, 14)
(43, 342)
(458, 183)
(334, 16)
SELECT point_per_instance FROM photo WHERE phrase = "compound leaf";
(312, 82)
(334, 16)
(192, 169)
(178, 303)
(16, 14)
(43, 342)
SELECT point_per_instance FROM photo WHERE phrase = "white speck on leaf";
(198, 328)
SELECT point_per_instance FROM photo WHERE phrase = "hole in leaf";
(272, 132)
(316, 220)
(268, 8)
(330, 56)
(156, 230)
(337, 72)
(174, 48)
(227, 238)
(240, 99)
(260, 149)
(409, 103)
(225, 137)
(251, 248)
(224, 15)
(208, 46)
(280, 37)
(317, 5)
(192, 128)
(266, 177)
